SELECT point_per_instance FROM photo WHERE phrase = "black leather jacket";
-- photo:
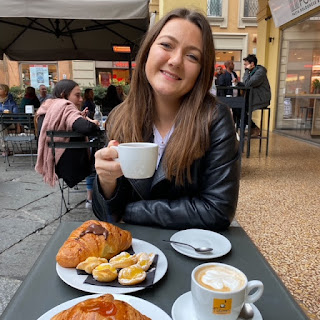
(209, 202)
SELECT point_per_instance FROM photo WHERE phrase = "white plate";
(201, 238)
(143, 306)
(183, 309)
(70, 276)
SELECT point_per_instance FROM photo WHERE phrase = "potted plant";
(316, 86)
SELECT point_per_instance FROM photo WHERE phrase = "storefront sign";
(122, 64)
(39, 75)
(284, 11)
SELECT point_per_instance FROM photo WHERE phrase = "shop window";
(298, 105)
(35, 75)
(248, 10)
(217, 11)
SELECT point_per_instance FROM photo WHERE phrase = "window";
(215, 8)
(217, 11)
(248, 10)
(298, 103)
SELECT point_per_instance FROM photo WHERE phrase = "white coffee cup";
(219, 291)
(138, 160)
(229, 96)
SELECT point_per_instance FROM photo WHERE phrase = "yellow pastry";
(123, 260)
(145, 260)
(105, 272)
(131, 275)
(90, 263)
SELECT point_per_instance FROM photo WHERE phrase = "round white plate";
(183, 309)
(70, 276)
(143, 306)
(201, 238)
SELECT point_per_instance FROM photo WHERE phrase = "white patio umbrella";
(50, 30)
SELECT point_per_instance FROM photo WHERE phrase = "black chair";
(261, 136)
(18, 135)
(96, 142)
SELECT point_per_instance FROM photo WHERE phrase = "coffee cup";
(229, 96)
(219, 291)
(138, 160)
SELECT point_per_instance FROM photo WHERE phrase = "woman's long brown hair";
(133, 120)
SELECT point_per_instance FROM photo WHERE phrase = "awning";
(34, 30)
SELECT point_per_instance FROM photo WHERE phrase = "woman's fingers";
(107, 168)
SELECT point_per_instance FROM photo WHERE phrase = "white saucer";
(201, 238)
(183, 309)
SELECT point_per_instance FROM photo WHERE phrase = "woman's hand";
(108, 170)
(96, 122)
(84, 112)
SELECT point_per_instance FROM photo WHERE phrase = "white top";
(161, 142)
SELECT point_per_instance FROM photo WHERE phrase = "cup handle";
(116, 148)
(254, 284)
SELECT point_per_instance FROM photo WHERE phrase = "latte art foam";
(219, 278)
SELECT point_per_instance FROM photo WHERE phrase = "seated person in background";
(88, 102)
(255, 76)
(196, 183)
(6, 100)
(29, 98)
(43, 94)
(63, 113)
(111, 100)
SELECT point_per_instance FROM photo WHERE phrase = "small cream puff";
(90, 263)
(131, 275)
(105, 272)
(145, 260)
(123, 260)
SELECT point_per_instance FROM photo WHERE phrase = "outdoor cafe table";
(43, 289)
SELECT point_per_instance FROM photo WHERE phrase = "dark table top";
(43, 289)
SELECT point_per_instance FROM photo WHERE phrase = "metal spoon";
(246, 312)
(201, 249)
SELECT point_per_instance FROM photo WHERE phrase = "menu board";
(39, 75)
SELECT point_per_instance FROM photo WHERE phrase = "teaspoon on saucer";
(200, 250)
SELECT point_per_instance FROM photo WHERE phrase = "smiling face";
(174, 60)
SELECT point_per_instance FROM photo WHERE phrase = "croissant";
(101, 308)
(93, 239)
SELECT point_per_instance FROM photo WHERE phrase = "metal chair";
(95, 142)
(261, 136)
(18, 136)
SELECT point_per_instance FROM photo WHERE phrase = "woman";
(111, 100)
(88, 102)
(63, 113)
(6, 100)
(30, 98)
(196, 184)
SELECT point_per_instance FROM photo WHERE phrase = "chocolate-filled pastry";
(93, 239)
(90, 263)
(101, 308)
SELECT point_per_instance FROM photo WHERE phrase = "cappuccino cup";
(219, 291)
(138, 160)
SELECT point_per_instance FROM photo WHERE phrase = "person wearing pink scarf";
(62, 113)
